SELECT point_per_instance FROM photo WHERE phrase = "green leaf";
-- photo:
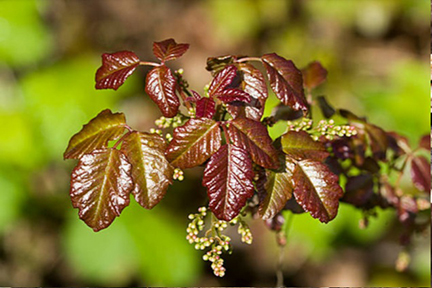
(105, 127)
(151, 172)
(300, 145)
(316, 189)
(100, 187)
(194, 142)
(253, 136)
(228, 179)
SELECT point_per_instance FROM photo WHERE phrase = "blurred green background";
(376, 53)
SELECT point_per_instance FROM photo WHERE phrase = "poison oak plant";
(310, 168)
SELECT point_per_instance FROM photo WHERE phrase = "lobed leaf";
(300, 145)
(151, 172)
(314, 75)
(228, 178)
(160, 86)
(421, 173)
(100, 187)
(285, 80)
(169, 50)
(105, 127)
(253, 136)
(194, 142)
(205, 107)
(316, 189)
(116, 67)
(222, 80)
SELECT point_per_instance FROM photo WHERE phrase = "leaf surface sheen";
(151, 172)
(228, 178)
(104, 127)
(253, 136)
(205, 107)
(285, 80)
(100, 187)
(116, 67)
(316, 189)
(222, 80)
(194, 142)
(300, 145)
(160, 86)
(233, 94)
(254, 84)
(169, 50)
(420, 173)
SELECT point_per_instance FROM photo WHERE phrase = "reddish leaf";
(228, 178)
(222, 80)
(316, 189)
(254, 84)
(194, 142)
(115, 69)
(160, 87)
(327, 110)
(279, 188)
(314, 75)
(205, 107)
(151, 172)
(378, 140)
(425, 142)
(359, 190)
(285, 80)
(100, 187)
(231, 95)
(420, 173)
(169, 50)
(253, 136)
(104, 127)
(300, 145)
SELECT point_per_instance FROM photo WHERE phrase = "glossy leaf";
(151, 172)
(116, 67)
(285, 80)
(205, 107)
(222, 80)
(254, 84)
(253, 136)
(279, 189)
(100, 187)
(228, 179)
(104, 127)
(232, 94)
(421, 173)
(316, 189)
(169, 50)
(314, 75)
(160, 86)
(194, 142)
(300, 145)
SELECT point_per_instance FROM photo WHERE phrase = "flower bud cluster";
(244, 231)
(329, 130)
(301, 124)
(192, 112)
(178, 175)
(156, 131)
(164, 122)
(196, 226)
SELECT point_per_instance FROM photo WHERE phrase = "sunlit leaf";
(116, 67)
(420, 173)
(228, 178)
(253, 136)
(151, 172)
(104, 127)
(316, 189)
(285, 80)
(314, 75)
(169, 50)
(205, 107)
(300, 145)
(160, 86)
(254, 84)
(216, 64)
(100, 187)
(233, 94)
(194, 142)
(222, 80)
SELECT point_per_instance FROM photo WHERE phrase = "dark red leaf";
(327, 110)
(300, 145)
(222, 80)
(425, 142)
(314, 75)
(316, 189)
(105, 127)
(254, 84)
(160, 86)
(228, 178)
(233, 94)
(253, 136)
(194, 142)
(420, 173)
(151, 172)
(285, 80)
(100, 187)
(205, 107)
(359, 190)
(116, 67)
(169, 50)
